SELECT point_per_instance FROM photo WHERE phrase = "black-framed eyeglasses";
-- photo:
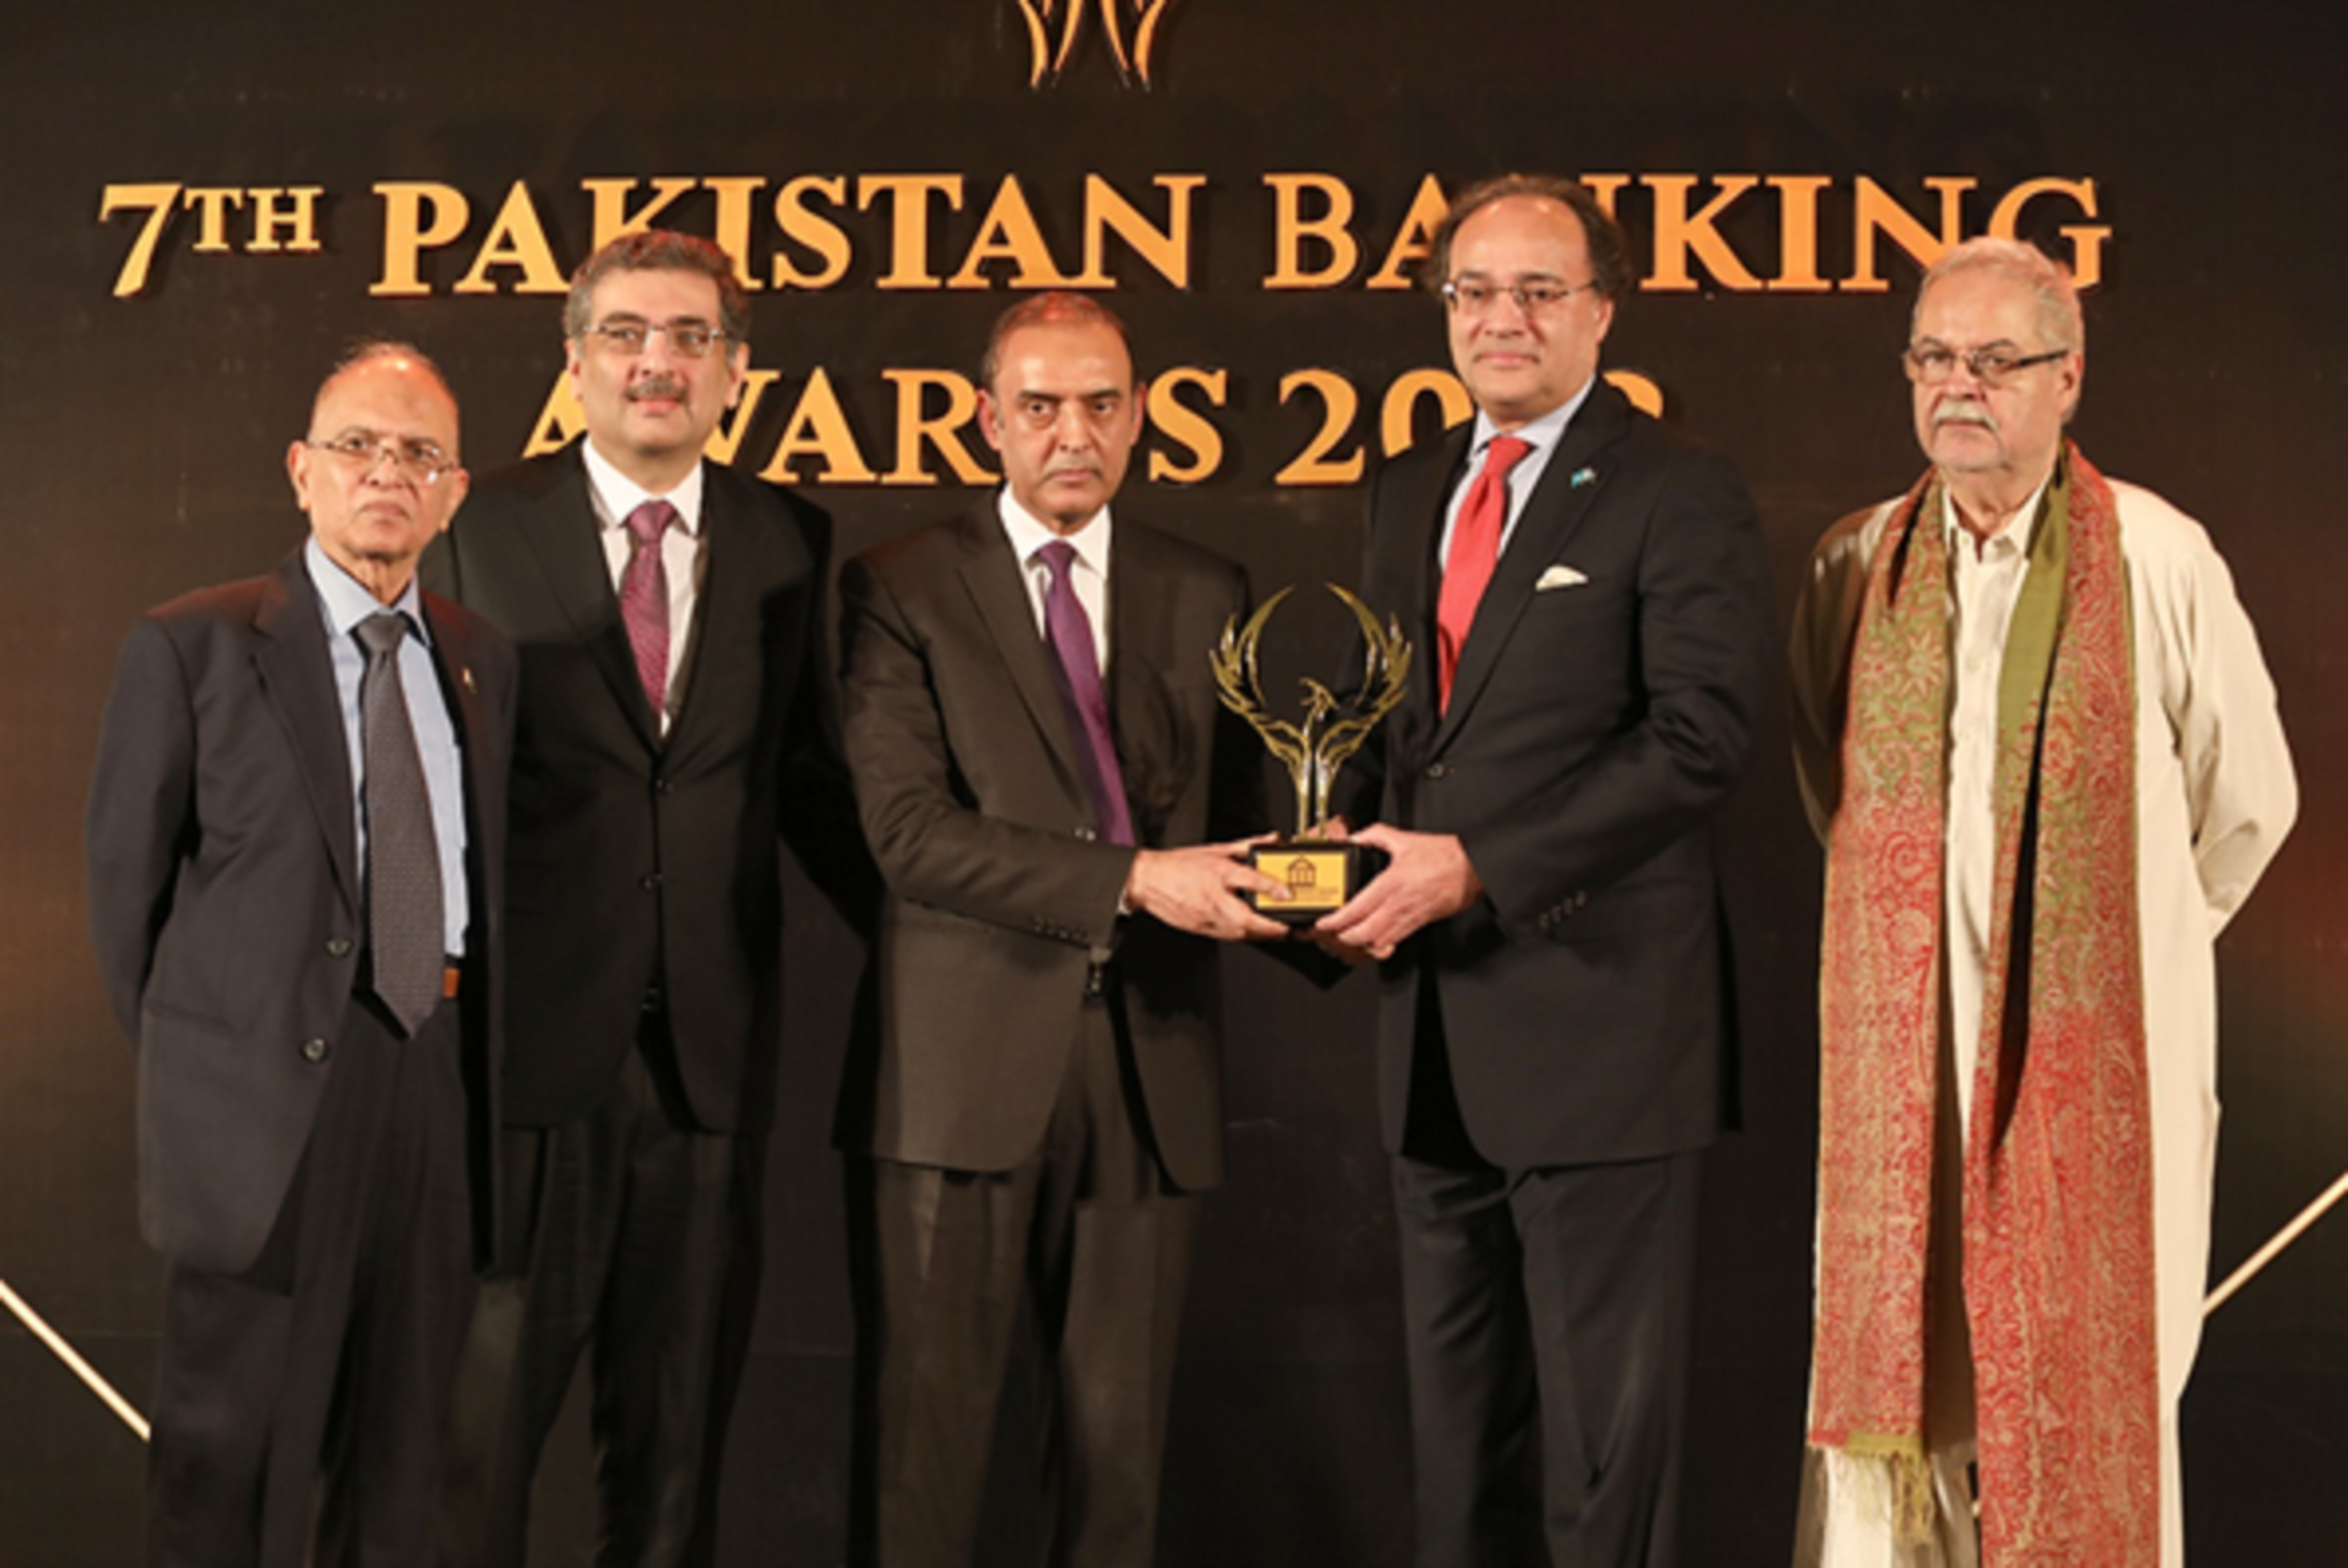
(1931, 363)
(422, 461)
(626, 336)
(1473, 296)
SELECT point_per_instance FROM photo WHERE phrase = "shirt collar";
(1028, 534)
(2018, 533)
(345, 601)
(617, 496)
(1541, 435)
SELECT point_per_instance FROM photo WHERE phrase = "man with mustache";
(2034, 729)
(669, 613)
(1038, 752)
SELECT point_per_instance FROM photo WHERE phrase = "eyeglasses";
(422, 461)
(628, 336)
(1473, 297)
(1931, 363)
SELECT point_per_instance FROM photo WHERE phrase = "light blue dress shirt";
(344, 604)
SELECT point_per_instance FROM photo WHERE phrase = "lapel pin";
(1584, 476)
(465, 678)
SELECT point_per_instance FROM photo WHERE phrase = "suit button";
(1086, 833)
(315, 1050)
(1438, 770)
(338, 946)
(651, 882)
(662, 786)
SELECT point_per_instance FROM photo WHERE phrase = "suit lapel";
(1571, 484)
(1154, 747)
(728, 597)
(562, 533)
(996, 587)
(296, 674)
(1420, 492)
(452, 658)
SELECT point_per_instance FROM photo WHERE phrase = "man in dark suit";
(295, 849)
(1555, 1024)
(668, 611)
(1038, 752)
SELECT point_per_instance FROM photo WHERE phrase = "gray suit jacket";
(1002, 896)
(226, 900)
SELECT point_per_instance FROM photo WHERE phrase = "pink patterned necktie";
(644, 599)
(1474, 552)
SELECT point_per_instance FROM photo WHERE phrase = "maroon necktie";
(1474, 551)
(644, 601)
(1076, 661)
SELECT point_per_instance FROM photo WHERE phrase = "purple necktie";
(1068, 633)
(644, 601)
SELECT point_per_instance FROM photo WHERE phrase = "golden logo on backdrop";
(1321, 873)
(1053, 26)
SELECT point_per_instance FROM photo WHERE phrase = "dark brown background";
(140, 454)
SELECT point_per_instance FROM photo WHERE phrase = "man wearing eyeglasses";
(2034, 729)
(1554, 1025)
(295, 849)
(668, 611)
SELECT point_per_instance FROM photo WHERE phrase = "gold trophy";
(1321, 873)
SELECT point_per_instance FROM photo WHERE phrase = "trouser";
(1103, 1245)
(1549, 1312)
(329, 1360)
(637, 1239)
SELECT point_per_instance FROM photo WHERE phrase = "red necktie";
(644, 601)
(1475, 551)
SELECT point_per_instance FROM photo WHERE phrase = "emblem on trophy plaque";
(1321, 873)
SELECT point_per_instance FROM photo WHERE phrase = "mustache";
(1965, 411)
(658, 386)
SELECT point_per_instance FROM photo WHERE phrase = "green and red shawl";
(2057, 1180)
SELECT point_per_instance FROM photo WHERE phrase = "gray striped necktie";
(405, 916)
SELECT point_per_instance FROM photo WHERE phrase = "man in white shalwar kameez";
(1908, 1443)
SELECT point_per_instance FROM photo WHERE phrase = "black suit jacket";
(1603, 707)
(225, 896)
(634, 860)
(1001, 894)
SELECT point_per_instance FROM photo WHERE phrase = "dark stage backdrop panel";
(204, 208)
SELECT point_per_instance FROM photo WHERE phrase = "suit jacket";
(1002, 895)
(637, 862)
(225, 896)
(1595, 726)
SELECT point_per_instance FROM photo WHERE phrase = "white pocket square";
(1558, 577)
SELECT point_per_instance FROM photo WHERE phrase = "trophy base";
(1321, 874)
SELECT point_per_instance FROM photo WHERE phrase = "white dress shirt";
(1543, 436)
(1028, 536)
(683, 558)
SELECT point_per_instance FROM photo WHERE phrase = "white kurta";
(2215, 794)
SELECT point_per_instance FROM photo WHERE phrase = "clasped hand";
(1427, 878)
(1199, 890)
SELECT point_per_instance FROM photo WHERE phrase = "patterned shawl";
(2058, 1178)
